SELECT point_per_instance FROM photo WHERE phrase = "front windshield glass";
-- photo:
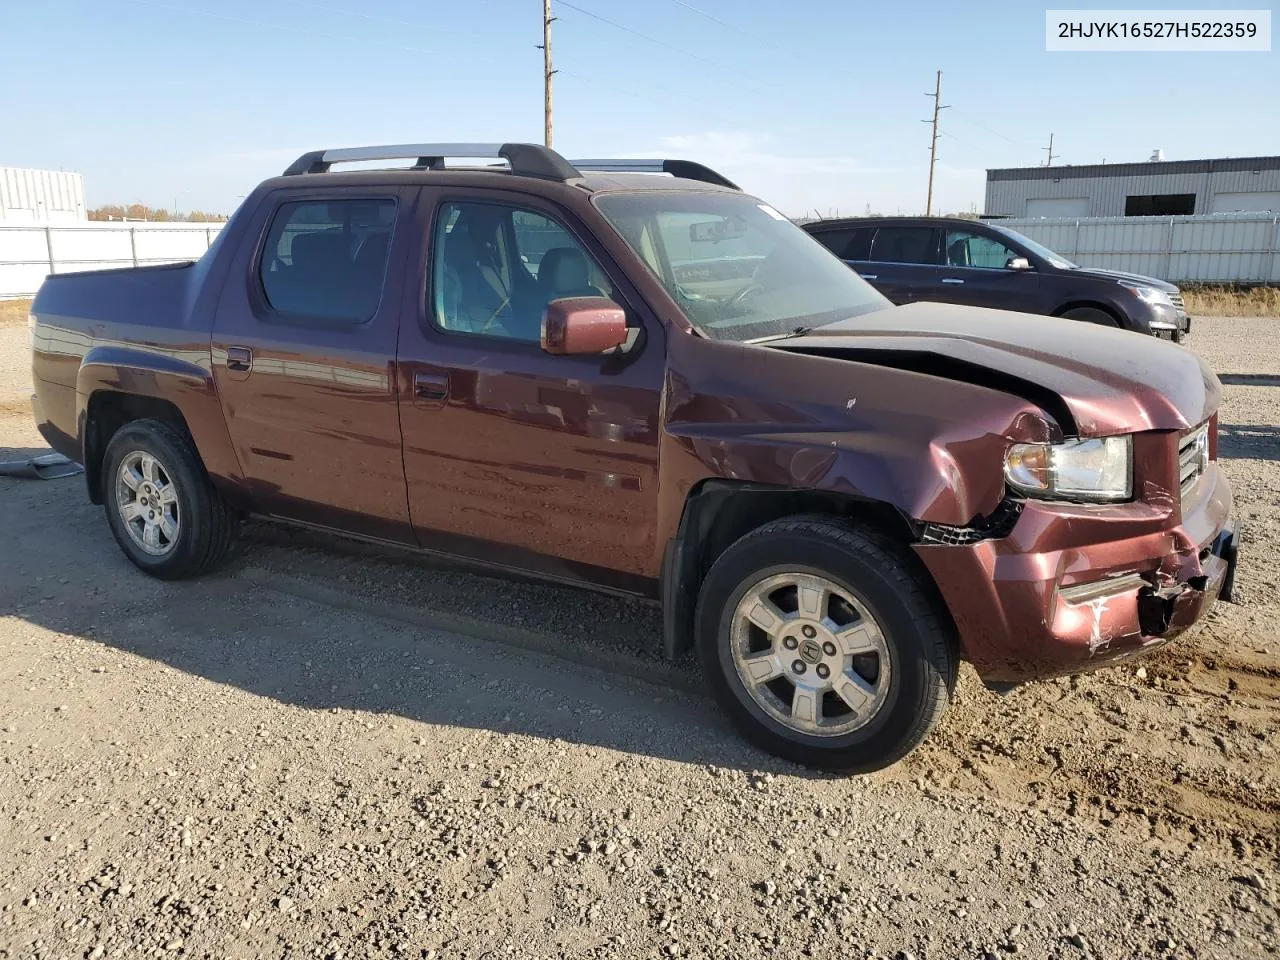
(738, 269)
(1056, 259)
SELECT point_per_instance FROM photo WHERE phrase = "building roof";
(1150, 168)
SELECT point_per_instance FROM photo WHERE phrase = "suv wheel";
(825, 645)
(165, 514)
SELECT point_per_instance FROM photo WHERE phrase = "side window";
(495, 268)
(327, 259)
(968, 249)
(904, 245)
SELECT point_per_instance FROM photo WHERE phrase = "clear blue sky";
(809, 103)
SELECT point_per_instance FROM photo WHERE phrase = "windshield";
(1055, 259)
(738, 269)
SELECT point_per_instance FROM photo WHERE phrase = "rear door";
(903, 262)
(304, 344)
(976, 272)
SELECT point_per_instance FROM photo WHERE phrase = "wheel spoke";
(764, 668)
(813, 601)
(854, 691)
(167, 494)
(859, 638)
(131, 478)
(766, 616)
(130, 512)
(804, 707)
(168, 528)
(149, 468)
(151, 535)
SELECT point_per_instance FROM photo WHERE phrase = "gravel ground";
(327, 753)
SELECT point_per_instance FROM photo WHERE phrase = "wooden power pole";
(547, 72)
(1052, 156)
(933, 143)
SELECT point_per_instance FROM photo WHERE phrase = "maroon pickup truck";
(659, 386)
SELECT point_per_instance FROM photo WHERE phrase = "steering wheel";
(746, 293)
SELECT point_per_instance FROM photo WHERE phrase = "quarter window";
(328, 260)
(849, 243)
(495, 268)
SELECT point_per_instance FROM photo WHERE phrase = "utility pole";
(933, 143)
(547, 72)
(1051, 155)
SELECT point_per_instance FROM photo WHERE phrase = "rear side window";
(328, 259)
(849, 243)
(904, 245)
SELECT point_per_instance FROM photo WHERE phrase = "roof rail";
(687, 169)
(525, 159)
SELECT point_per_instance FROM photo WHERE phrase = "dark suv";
(982, 264)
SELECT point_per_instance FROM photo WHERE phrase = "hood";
(1119, 276)
(1095, 381)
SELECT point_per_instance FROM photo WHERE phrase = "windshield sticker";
(770, 211)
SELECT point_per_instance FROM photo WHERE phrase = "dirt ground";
(327, 753)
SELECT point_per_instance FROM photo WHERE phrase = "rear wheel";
(165, 514)
(825, 645)
(1091, 315)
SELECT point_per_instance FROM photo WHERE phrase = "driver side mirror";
(1018, 263)
(583, 325)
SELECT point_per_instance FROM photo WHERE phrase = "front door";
(304, 346)
(512, 455)
(976, 272)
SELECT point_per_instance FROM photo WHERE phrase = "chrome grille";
(1176, 300)
(1193, 457)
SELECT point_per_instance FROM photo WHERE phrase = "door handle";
(869, 276)
(239, 359)
(430, 386)
(951, 280)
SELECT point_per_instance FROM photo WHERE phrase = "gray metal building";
(1155, 188)
(42, 196)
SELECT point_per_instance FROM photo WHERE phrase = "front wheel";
(165, 514)
(826, 645)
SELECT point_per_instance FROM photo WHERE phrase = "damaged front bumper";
(1075, 587)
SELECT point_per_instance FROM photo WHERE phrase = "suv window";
(968, 249)
(904, 245)
(327, 259)
(848, 243)
(496, 267)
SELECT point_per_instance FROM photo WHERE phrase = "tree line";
(140, 211)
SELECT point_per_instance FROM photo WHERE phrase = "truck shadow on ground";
(234, 629)
(1242, 441)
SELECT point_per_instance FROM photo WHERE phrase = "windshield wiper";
(795, 332)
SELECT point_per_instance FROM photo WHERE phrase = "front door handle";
(869, 276)
(952, 280)
(430, 387)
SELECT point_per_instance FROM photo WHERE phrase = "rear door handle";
(239, 360)
(430, 387)
(952, 280)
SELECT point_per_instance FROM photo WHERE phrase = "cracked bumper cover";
(1068, 591)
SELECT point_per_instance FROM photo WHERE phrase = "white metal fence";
(1222, 248)
(30, 252)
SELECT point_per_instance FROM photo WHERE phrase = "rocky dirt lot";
(326, 753)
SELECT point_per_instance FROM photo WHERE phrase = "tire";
(194, 527)
(873, 580)
(1091, 315)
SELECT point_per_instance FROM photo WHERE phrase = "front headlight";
(1099, 469)
(1150, 295)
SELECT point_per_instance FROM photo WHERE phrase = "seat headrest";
(564, 269)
